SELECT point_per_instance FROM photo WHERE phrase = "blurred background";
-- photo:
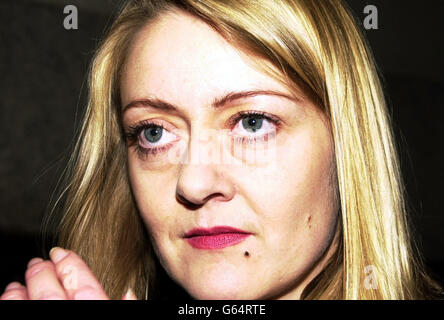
(43, 70)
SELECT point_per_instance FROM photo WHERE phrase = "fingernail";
(34, 261)
(13, 285)
(57, 254)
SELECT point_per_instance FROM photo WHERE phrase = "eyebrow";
(217, 102)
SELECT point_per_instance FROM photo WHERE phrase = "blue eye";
(252, 123)
(153, 134)
(150, 138)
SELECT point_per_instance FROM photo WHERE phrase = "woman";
(230, 142)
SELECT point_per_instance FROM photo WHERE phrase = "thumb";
(129, 295)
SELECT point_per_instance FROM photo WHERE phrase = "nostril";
(188, 204)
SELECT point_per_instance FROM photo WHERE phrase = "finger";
(33, 261)
(77, 279)
(129, 295)
(14, 285)
(14, 291)
(42, 282)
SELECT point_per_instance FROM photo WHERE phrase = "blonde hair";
(318, 47)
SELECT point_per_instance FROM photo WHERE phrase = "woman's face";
(207, 171)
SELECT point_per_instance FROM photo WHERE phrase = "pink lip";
(215, 238)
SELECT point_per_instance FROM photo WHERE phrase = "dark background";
(42, 84)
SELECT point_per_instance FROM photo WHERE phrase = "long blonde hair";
(318, 47)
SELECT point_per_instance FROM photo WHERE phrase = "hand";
(64, 277)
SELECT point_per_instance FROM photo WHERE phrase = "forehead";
(182, 60)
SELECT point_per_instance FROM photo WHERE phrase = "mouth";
(215, 238)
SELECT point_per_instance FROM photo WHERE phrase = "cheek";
(297, 183)
(293, 196)
(152, 192)
(310, 185)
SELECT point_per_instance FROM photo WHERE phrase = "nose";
(202, 181)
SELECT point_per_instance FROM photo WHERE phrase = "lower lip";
(217, 241)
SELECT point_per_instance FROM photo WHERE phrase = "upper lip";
(213, 231)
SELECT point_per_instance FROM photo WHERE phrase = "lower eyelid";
(154, 146)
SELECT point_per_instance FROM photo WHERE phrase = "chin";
(219, 287)
(211, 293)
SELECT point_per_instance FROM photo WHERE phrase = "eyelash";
(134, 131)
